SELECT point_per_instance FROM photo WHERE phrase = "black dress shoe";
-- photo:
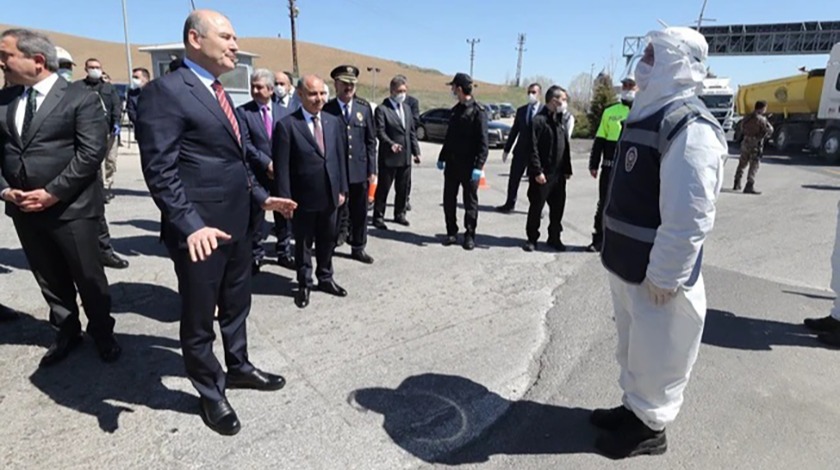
(8, 314)
(60, 349)
(330, 287)
(402, 221)
(109, 349)
(823, 325)
(450, 240)
(302, 297)
(611, 419)
(529, 246)
(112, 260)
(219, 416)
(631, 439)
(505, 208)
(361, 255)
(286, 261)
(379, 224)
(255, 380)
(556, 244)
(469, 243)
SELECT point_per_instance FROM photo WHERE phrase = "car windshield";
(717, 101)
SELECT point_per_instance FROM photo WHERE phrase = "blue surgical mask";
(66, 74)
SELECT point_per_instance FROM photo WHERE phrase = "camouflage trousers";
(750, 157)
(110, 162)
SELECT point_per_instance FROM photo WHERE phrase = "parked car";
(493, 111)
(434, 122)
(506, 110)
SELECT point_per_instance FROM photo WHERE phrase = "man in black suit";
(396, 130)
(413, 104)
(521, 153)
(258, 117)
(52, 142)
(140, 77)
(309, 167)
(356, 116)
(194, 164)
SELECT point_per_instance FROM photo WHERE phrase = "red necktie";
(223, 102)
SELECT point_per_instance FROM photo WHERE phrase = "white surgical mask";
(135, 82)
(280, 91)
(399, 98)
(66, 74)
(642, 74)
(95, 74)
(564, 106)
(532, 98)
(628, 95)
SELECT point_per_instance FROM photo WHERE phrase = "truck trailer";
(804, 109)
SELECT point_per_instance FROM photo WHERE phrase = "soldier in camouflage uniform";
(756, 129)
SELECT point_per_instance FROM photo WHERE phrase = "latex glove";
(476, 175)
(658, 295)
(505, 156)
(116, 129)
(441, 165)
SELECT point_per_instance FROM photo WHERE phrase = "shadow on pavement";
(13, 258)
(269, 283)
(140, 245)
(821, 187)
(152, 301)
(726, 330)
(84, 383)
(434, 416)
(810, 295)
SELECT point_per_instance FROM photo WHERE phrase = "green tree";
(603, 95)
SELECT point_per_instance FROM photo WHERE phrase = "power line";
(472, 43)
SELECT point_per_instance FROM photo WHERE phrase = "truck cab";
(719, 97)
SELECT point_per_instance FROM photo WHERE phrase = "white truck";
(719, 97)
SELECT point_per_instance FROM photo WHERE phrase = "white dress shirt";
(42, 88)
(399, 108)
(203, 75)
(346, 108)
(308, 116)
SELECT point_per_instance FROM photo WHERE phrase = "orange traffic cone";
(371, 191)
(482, 183)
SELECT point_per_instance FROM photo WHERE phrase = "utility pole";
(293, 13)
(127, 44)
(521, 48)
(192, 3)
(472, 43)
(373, 70)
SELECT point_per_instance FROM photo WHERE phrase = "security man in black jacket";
(462, 159)
(550, 166)
(360, 139)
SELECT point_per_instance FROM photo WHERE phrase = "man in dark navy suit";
(194, 164)
(522, 152)
(258, 117)
(357, 117)
(309, 166)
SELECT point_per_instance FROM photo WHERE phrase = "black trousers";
(104, 237)
(259, 232)
(451, 183)
(603, 187)
(400, 178)
(223, 280)
(352, 216)
(408, 187)
(552, 192)
(64, 257)
(518, 165)
(318, 228)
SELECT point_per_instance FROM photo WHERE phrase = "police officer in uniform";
(606, 138)
(462, 159)
(360, 138)
(667, 174)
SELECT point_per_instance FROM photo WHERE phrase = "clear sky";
(563, 37)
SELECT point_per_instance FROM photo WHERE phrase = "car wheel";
(421, 133)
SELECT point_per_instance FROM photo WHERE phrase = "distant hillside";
(275, 54)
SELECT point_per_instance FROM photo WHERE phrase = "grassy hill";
(427, 85)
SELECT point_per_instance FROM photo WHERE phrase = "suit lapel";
(11, 111)
(47, 106)
(206, 98)
(303, 128)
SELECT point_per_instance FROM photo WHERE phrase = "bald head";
(312, 93)
(210, 41)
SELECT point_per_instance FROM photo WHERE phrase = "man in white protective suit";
(828, 328)
(660, 208)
